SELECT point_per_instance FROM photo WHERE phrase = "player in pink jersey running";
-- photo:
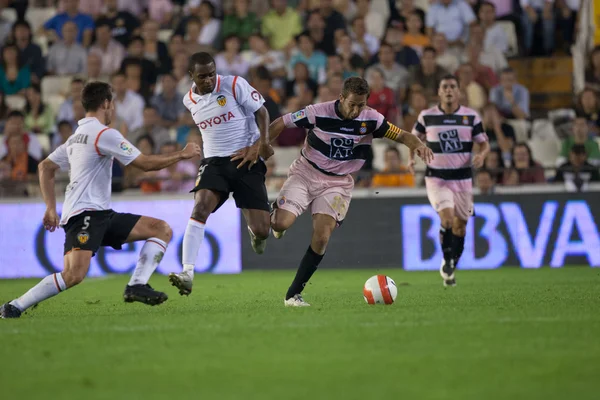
(451, 131)
(340, 134)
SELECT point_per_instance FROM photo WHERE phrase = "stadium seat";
(284, 156)
(9, 14)
(44, 141)
(54, 102)
(545, 151)
(511, 34)
(521, 128)
(37, 16)
(15, 102)
(543, 129)
(164, 35)
(55, 85)
(41, 41)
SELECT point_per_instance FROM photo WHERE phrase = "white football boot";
(182, 281)
(296, 301)
(258, 245)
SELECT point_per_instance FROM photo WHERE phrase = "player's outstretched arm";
(47, 171)
(275, 129)
(160, 161)
(415, 145)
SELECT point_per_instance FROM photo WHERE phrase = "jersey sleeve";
(381, 126)
(111, 143)
(60, 157)
(478, 133)
(246, 95)
(188, 101)
(419, 128)
(304, 118)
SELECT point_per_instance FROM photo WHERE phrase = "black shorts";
(247, 185)
(92, 229)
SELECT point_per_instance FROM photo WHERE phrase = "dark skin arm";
(261, 147)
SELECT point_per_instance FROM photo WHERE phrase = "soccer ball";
(380, 289)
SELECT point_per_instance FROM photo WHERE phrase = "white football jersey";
(88, 155)
(225, 116)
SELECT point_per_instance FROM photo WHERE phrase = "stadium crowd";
(294, 52)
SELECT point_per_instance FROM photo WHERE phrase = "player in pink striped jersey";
(339, 136)
(450, 131)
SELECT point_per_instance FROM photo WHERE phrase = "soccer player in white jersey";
(234, 124)
(451, 131)
(87, 218)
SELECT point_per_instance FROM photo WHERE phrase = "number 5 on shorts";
(86, 222)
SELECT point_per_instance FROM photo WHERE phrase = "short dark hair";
(94, 94)
(448, 77)
(136, 38)
(15, 114)
(201, 58)
(431, 49)
(62, 123)
(485, 171)
(507, 70)
(103, 22)
(148, 138)
(355, 85)
(263, 73)
(77, 80)
(578, 149)
(487, 3)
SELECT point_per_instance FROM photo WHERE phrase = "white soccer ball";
(380, 289)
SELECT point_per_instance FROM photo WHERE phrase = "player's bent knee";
(164, 231)
(260, 230)
(201, 213)
(74, 276)
(281, 222)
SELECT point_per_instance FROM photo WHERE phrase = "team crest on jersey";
(221, 100)
(298, 115)
(83, 237)
(126, 147)
(255, 95)
(465, 120)
(363, 128)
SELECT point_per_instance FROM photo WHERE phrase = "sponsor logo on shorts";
(281, 201)
(83, 237)
(450, 142)
(363, 128)
(221, 100)
(126, 147)
(298, 115)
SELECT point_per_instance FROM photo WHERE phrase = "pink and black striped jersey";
(450, 137)
(334, 145)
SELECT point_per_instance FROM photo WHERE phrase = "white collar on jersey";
(193, 94)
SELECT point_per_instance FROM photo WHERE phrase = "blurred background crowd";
(530, 67)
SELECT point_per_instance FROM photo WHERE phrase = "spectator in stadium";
(67, 57)
(272, 181)
(382, 98)
(65, 112)
(484, 75)
(135, 177)
(292, 137)
(262, 81)
(191, 44)
(146, 72)
(501, 135)
(592, 73)
(4, 110)
(63, 131)
(494, 35)
(406, 8)
(155, 50)
(394, 174)
(180, 72)
(230, 61)
(39, 118)
(427, 75)
(240, 22)
(333, 21)
(577, 173)
(417, 102)
(15, 126)
(347, 48)
(179, 177)
(123, 24)
(93, 68)
(335, 65)
(30, 54)
(84, 22)
(315, 28)
(580, 136)
(486, 182)
(22, 165)
(473, 94)
(511, 98)
(534, 11)
(301, 85)
(168, 103)
(452, 18)
(5, 28)
(129, 106)
(281, 25)
(492, 164)
(374, 21)
(261, 55)
(14, 76)
(186, 128)
(210, 25)
(108, 49)
(588, 106)
(529, 170)
(161, 11)
(315, 60)
(444, 58)
(510, 177)
(396, 76)
(414, 36)
(368, 43)
(403, 55)
(151, 127)
(491, 57)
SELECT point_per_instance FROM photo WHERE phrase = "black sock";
(458, 245)
(446, 240)
(307, 268)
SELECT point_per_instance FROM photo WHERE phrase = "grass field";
(502, 334)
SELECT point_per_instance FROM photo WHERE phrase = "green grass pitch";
(501, 334)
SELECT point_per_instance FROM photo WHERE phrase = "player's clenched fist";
(50, 220)
(191, 150)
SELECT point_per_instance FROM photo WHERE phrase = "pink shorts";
(443, 194)
(325, 194)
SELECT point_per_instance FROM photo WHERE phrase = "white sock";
(152, 253)
(192, 240)
(48, 287)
